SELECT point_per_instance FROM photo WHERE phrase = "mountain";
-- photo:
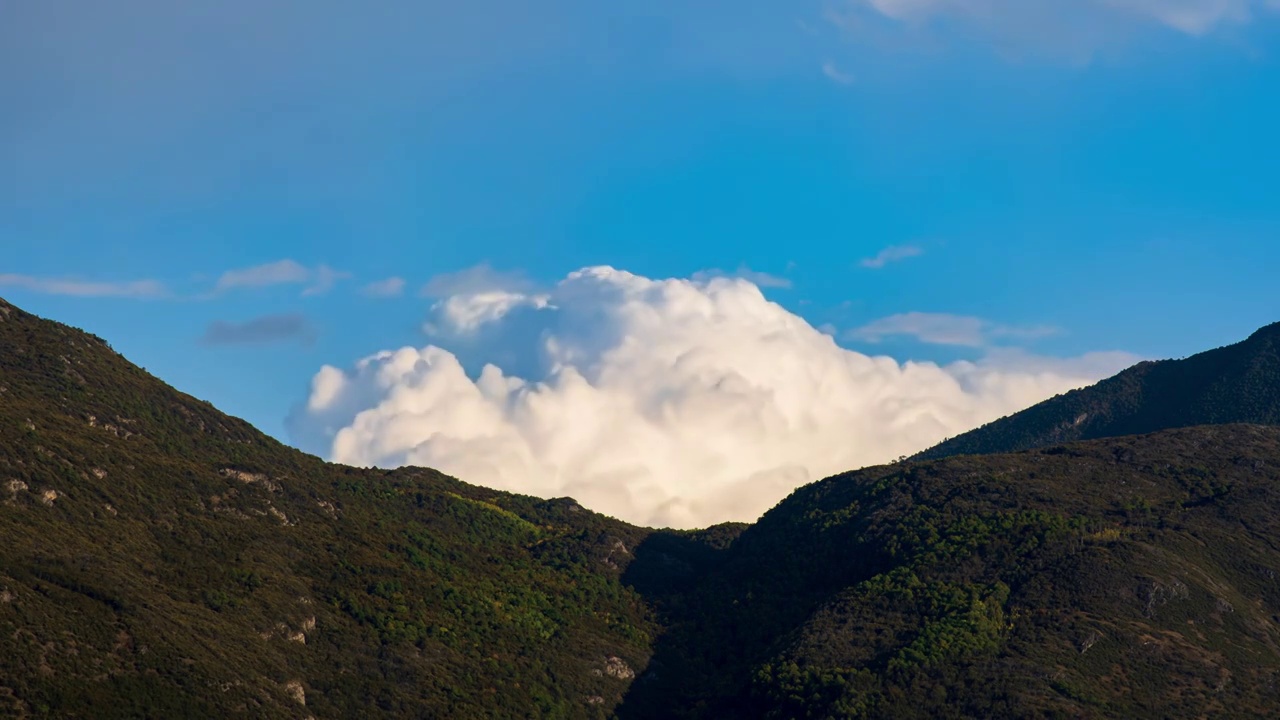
(1235, 384)
(161, 559)
(1135, 577)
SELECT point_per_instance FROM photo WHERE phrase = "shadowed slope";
(1130, 577)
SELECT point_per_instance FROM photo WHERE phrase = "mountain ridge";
(1237, 383)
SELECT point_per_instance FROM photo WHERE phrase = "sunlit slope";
(161, 559)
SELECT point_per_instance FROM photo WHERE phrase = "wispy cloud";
(835, 74)
(281, 272)
(1073, 27)
(323, 279)
(757, 278)
(386, 288)
(476, 279)
(267, 329)
(891, 254)
(946, 329)
(140, 289)
(319, 280)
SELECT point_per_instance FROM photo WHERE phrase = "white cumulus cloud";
(663, 402)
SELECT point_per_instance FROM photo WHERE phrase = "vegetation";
(1235, 384)
(1130, 577)
(160, 559)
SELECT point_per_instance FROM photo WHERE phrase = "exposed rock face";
(616, 667)
(48, 496)
(617, 550)
(112, 428)
(294, 689)
(284, 519)
(284, 631)
(15, 486)
(251, 478)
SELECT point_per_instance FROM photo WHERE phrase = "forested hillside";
(160, 559)
(1126, 578)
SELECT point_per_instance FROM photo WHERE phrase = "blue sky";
(1077, 177)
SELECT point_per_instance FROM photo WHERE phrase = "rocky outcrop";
(295, 691)
(616, 667)
(251, 478)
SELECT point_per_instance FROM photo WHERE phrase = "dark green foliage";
(1235, 384)
(190, 566)
(1134, 577)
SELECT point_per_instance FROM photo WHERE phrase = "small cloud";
(139, 289)
(891, 254)
(465, 313)
(323, 280)
(755, 277)
(388, 288)
(835, 74)
(319, 280)
(480, 278)
(264, 330)
(946, 329)
(281, 272)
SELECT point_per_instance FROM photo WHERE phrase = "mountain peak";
(1238, 383)
(1267, 331)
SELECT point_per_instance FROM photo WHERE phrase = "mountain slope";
(161, 559)
(1136, 577)
(1235, 384)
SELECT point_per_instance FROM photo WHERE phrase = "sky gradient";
(236, 196)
